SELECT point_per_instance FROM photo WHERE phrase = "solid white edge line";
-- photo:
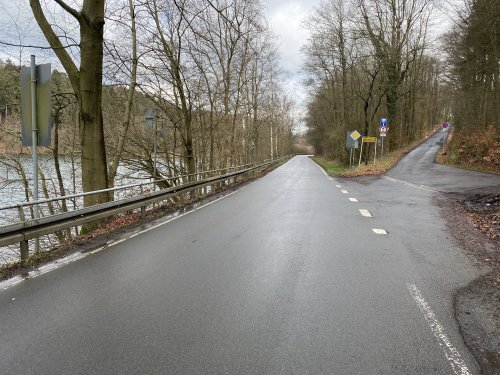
(322, 170)
(353, 200)
(46, 268)
(450, 352)
(365, 212)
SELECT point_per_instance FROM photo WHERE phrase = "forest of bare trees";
(368, 59)
(208, 69)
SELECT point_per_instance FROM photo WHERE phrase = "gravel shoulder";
(473, 222)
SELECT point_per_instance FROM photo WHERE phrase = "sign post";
(35, 120)
(34, 139)
(383, 133)
(150, 121)
(351, 144)
(367, 140)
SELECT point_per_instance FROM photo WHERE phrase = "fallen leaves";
(479, 150)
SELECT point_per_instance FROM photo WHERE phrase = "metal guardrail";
(26, 230)
(117, 188)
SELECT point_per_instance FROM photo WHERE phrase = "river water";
(12, 190)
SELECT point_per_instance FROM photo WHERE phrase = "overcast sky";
(285, 18)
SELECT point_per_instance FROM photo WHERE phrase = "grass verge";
(382, 165)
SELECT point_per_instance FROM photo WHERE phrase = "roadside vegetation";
(368, 60)
(208, 71)
(367, 168)
(479, 151)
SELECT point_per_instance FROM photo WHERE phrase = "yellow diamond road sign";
(355, 135)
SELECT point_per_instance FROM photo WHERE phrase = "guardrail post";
(23, 245)
(25, 250)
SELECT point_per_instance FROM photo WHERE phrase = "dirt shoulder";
(474, 223)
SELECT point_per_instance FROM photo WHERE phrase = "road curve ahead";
(418, 167)
(285, 276)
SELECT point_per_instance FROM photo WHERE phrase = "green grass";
(381, 166)
(331, 167)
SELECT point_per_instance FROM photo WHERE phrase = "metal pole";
(382, 151)
(272, 147)
(34, 136)
(375, 156)
(360, 152)
(350, 157)
(154, 154)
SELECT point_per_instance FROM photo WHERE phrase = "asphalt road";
(285, 276)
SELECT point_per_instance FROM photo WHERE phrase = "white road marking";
(421, 187)
(344, 191)
(322, 170)
(379, 231)
(77, 256)
(339, 186)
(365, 213)
(353, 199)
(451, 353)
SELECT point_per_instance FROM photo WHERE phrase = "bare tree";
(133, 64)
(87, 85)
(397, 30)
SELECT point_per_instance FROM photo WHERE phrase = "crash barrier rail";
(25, 230)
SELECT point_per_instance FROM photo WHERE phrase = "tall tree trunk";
(94, 167)
(87, 85)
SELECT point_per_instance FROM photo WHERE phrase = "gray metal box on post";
(43, 105)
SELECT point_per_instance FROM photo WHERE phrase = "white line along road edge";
(451, 353)
(46, 268)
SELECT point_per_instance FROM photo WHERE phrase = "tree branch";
(70, 10)
(66, 60)
(37, 47)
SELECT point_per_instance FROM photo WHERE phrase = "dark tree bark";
(87, 85)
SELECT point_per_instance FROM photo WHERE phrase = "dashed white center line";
(421, 187)
(450, 352)
(365, 213)
(344, 191)
(338, 186)
(379, 231)
(353, 199)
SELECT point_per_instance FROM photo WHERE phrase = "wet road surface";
(285, 276)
